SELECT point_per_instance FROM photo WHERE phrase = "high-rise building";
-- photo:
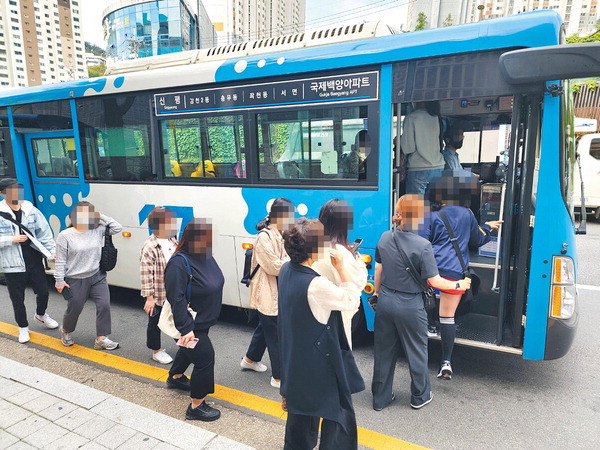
(247, 20)
(40, 42)
(579, 16)
(139, 28)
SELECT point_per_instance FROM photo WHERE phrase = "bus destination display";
(356, 86)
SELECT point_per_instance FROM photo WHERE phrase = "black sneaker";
(420, 404)
(393, 398)
(445, 371)
(203, 412)
(432, 331)
(182, 383)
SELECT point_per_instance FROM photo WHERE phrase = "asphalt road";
(494, 401)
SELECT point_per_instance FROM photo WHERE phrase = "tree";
(96, 71)
(94, 49)
(421, 21)
(448, 21)
(594, 37)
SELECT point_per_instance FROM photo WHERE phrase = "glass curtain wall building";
(136, 29)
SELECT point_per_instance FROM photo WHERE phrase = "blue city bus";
(220, 133)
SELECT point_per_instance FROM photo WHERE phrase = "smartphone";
(66, 293)
(356, 245)
(190, 344)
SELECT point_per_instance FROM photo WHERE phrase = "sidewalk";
(39, 409)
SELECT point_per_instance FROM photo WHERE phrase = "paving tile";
(222, 443)
(52, 384)
(20, 446)
(94, 427)
(40, 403)
(7, 439)
(45, 435)
(27, 426)
(68, 442)
(5, 405)
(11, 388)
(75, 418)
(58, 410)
(139, 441)
(24, 396)
(115, 436)
(11, 415)
(165, 446)
(172, 431)
(92, 446)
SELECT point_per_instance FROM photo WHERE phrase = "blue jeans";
(417, 180)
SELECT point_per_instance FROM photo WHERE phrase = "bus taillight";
(563, 290)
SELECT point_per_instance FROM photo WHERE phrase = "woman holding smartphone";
(193, 255)
(77, 272)
(337, 218)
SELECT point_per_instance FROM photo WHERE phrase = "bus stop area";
(495, 400)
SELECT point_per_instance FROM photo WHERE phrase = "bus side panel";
(553, 228)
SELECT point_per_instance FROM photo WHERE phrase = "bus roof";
(532, 29)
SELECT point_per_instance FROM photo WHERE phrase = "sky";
(319, 14)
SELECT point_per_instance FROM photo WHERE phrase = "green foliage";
(583, 39)
(448, 21)
(96, 71)
(421, 21)
(576, 87)
(92, 48)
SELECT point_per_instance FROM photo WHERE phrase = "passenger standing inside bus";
(400, 318)
(421, 142)
(451, 196)
(206, 295)
(337, 218)
(319, 374)
(20, 262)
(453, 140)
(78, 250)
(269, 255)
(156, 252)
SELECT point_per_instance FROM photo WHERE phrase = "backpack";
(248, 274)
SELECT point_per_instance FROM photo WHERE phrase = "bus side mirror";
(556, 62)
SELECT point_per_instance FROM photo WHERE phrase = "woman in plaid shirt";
(155, 254)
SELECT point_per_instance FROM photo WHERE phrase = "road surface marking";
(366, 437)
(588, 287)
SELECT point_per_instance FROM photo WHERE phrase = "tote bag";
(166, 322)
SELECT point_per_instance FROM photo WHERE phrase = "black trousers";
(301, 432)
(35, 276)
(152, 331)
(266, 335)
(203, 358)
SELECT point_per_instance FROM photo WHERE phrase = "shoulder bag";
(166, 322)
(248, 275)
(108, 257)
(428, 292)
(34, 243)
(469, 294)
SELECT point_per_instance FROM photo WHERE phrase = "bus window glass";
(7, 168)
(595, 148)
(45, 116)
(204, 147)
(114, 137)
(316, 144)
(55, 157)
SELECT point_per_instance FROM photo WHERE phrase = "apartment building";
(40, 42)
(247, 20)
(579, 16)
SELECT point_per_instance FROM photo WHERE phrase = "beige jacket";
(270, 254)
(358, 271)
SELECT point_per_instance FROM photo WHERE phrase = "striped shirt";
(152, 269)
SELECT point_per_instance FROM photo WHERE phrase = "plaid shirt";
(152, 269)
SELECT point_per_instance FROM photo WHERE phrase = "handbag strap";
(8, 217)
(454, 242)
(188, 292)
(257, 265)
(410, 268)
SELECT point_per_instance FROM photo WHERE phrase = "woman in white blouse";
(337, 218)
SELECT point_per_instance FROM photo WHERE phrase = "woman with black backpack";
(78, 274)
(267, 258)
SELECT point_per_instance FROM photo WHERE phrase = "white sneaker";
(23, 335)
(275, 383)
(256, 366)
(105, 344)
(162, 357)
(47, 320)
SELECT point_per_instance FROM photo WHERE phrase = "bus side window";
(595, 148)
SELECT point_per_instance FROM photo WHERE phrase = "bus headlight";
(563, 289)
